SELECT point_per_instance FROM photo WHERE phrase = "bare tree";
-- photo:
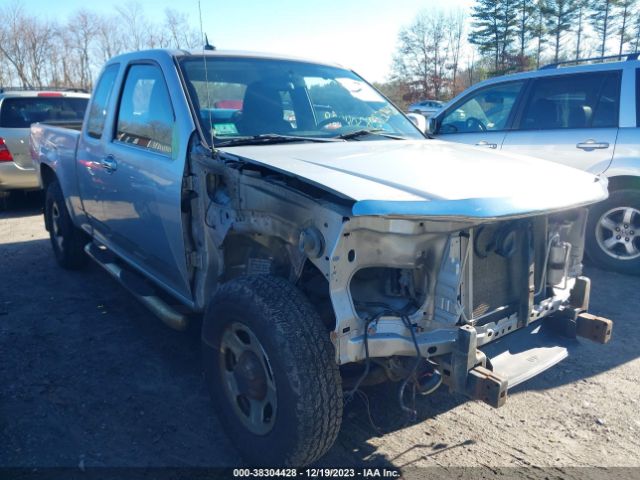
(37, 40)
(437, 34)
(82, 28)
(136, 28)
(36, 51)
(12, 44)
(412, 61)
(456, 23)
(428, 54)
(180, 34)
(110, 39)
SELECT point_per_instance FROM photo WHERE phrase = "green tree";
(601, 20)
(627, 11)
(493, 29)
(560, 17)
(525, 24)
(582, 10)
(539, 30)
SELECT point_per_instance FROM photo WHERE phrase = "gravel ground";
(89, 378)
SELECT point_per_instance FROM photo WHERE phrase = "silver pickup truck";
(326, 243)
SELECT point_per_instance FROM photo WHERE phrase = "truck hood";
(430, 177)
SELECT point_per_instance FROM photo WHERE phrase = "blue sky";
(360, 34)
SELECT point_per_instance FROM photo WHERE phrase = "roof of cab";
(150, 54)
(561, 70)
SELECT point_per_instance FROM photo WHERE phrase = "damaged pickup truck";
(326, 243)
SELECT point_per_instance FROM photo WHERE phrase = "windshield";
(239, 98)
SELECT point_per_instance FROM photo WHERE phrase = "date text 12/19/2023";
(316, 472)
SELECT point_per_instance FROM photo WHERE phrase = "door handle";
(592, 145)
(109, 163)
(484, 143)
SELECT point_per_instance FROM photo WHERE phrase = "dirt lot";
(89, 378)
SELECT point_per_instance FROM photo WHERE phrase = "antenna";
(205, 47)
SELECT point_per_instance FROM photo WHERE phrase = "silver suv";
(585, 116)
(427, 108)
(18, 110)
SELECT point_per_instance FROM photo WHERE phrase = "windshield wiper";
(271, 138)
(372, 131)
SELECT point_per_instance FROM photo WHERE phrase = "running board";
(140, 289)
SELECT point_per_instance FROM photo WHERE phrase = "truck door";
(93, 173)
(482, 117)
(569, 119)
(146, 159)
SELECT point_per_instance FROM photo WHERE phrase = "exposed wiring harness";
(413, 414)
(387, 310)
(367, 366)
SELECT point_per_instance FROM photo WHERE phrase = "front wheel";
(271, 371)
(613, 232)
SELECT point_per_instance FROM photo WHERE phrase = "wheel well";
(624, 181)
(256, 254)
(47, 175)
(313, 284)
(247, 254)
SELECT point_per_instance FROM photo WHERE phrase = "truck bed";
(55, 145)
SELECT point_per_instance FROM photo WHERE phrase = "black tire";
(5, 200)
(302, 361)
(613, 209)
(67, 240)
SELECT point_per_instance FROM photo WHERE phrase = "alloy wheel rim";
(618, 233)
(247, 378)
(55, 224)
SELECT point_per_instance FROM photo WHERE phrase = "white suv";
(585, 116)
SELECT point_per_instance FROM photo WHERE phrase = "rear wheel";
(613, 232)
(271, 371)
(67, 240)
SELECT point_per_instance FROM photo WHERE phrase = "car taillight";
(50, 94)
(5, 154)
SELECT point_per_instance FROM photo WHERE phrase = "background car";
(427, 108)
(584, 116)
(20, 108)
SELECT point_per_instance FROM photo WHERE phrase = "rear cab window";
(21, 112)
(100, 101)
(589, 100)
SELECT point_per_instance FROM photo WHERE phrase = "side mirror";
(432, 125)
(419, 121)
